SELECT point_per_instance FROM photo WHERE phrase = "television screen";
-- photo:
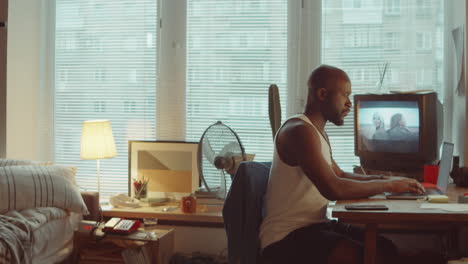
(388, 126)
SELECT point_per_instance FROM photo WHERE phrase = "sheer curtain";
(363, 37)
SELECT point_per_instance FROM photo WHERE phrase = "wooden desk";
(206, 215)
(400, 212)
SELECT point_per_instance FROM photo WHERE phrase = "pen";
(363, 171)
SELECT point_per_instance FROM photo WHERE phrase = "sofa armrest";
(91, 200)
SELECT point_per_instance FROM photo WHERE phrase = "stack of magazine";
(136, 255)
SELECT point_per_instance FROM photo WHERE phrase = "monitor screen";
(388, 126)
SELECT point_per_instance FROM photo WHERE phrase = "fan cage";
(200, 149)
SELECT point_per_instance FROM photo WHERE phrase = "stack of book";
(205, 197)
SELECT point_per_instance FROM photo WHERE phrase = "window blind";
(362, 38)
(105, 65)
(235, 50)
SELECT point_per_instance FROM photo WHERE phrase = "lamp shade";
(97, 141)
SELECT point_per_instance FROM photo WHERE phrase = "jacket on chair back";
(243, 211)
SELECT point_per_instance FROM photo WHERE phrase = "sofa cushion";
(31, 186)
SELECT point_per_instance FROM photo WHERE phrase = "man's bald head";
(324, 76)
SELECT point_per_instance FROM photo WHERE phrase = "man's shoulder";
(295, 125)
(296, 130)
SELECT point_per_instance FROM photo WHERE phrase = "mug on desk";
(189, 204)
(431, 173)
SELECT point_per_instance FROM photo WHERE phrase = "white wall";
(29, 105)
(22, 78)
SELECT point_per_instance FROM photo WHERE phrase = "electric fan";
(220, 152)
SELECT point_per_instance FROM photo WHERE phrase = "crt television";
(397, 132)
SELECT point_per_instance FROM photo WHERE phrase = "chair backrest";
(243, 211)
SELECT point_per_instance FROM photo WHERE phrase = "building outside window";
(392, 7)
(424, 40)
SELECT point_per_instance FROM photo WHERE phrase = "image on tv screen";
(388, 126)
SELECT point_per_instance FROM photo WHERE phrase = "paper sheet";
(446, 207)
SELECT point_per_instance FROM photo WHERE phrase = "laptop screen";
(444, 166)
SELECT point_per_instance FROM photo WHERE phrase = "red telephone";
(120, 226)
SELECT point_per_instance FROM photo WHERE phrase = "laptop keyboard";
(427, 192)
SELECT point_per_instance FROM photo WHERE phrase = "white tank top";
(292, 201)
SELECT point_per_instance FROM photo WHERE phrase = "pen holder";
(141, 193)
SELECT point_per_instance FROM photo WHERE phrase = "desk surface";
(206, 215)
(401, 210)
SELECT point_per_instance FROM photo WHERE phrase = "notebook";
(442, 179)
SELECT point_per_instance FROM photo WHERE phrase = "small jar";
(189, 204)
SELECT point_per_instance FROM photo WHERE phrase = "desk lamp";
(97, 142)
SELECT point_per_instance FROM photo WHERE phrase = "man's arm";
(354, 176)
(299, 145)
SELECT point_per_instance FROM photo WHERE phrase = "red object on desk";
(189, 204)
(431, 172)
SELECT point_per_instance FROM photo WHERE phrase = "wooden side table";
(152, 245)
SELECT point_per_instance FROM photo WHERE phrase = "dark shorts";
(314, 243)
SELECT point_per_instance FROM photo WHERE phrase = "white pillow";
(16, 162)
(23, 187)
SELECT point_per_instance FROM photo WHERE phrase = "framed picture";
(168, 166)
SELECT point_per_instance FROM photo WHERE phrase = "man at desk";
(304, 178)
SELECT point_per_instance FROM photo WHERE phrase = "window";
(348, 3)
(398, 50)
(129, 106)
(101, 69)
(424, 40)
(99, 106)
(392, 7)
(235, 50)
(424, 78)
(423, 8)
(357, 3)
(367, 36)
(393, 77)
(392, 40)
(112, 61)
(374, 37)
(99, 74)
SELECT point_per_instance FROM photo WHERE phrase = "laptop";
(442, 179)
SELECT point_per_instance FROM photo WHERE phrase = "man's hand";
(405, 185)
